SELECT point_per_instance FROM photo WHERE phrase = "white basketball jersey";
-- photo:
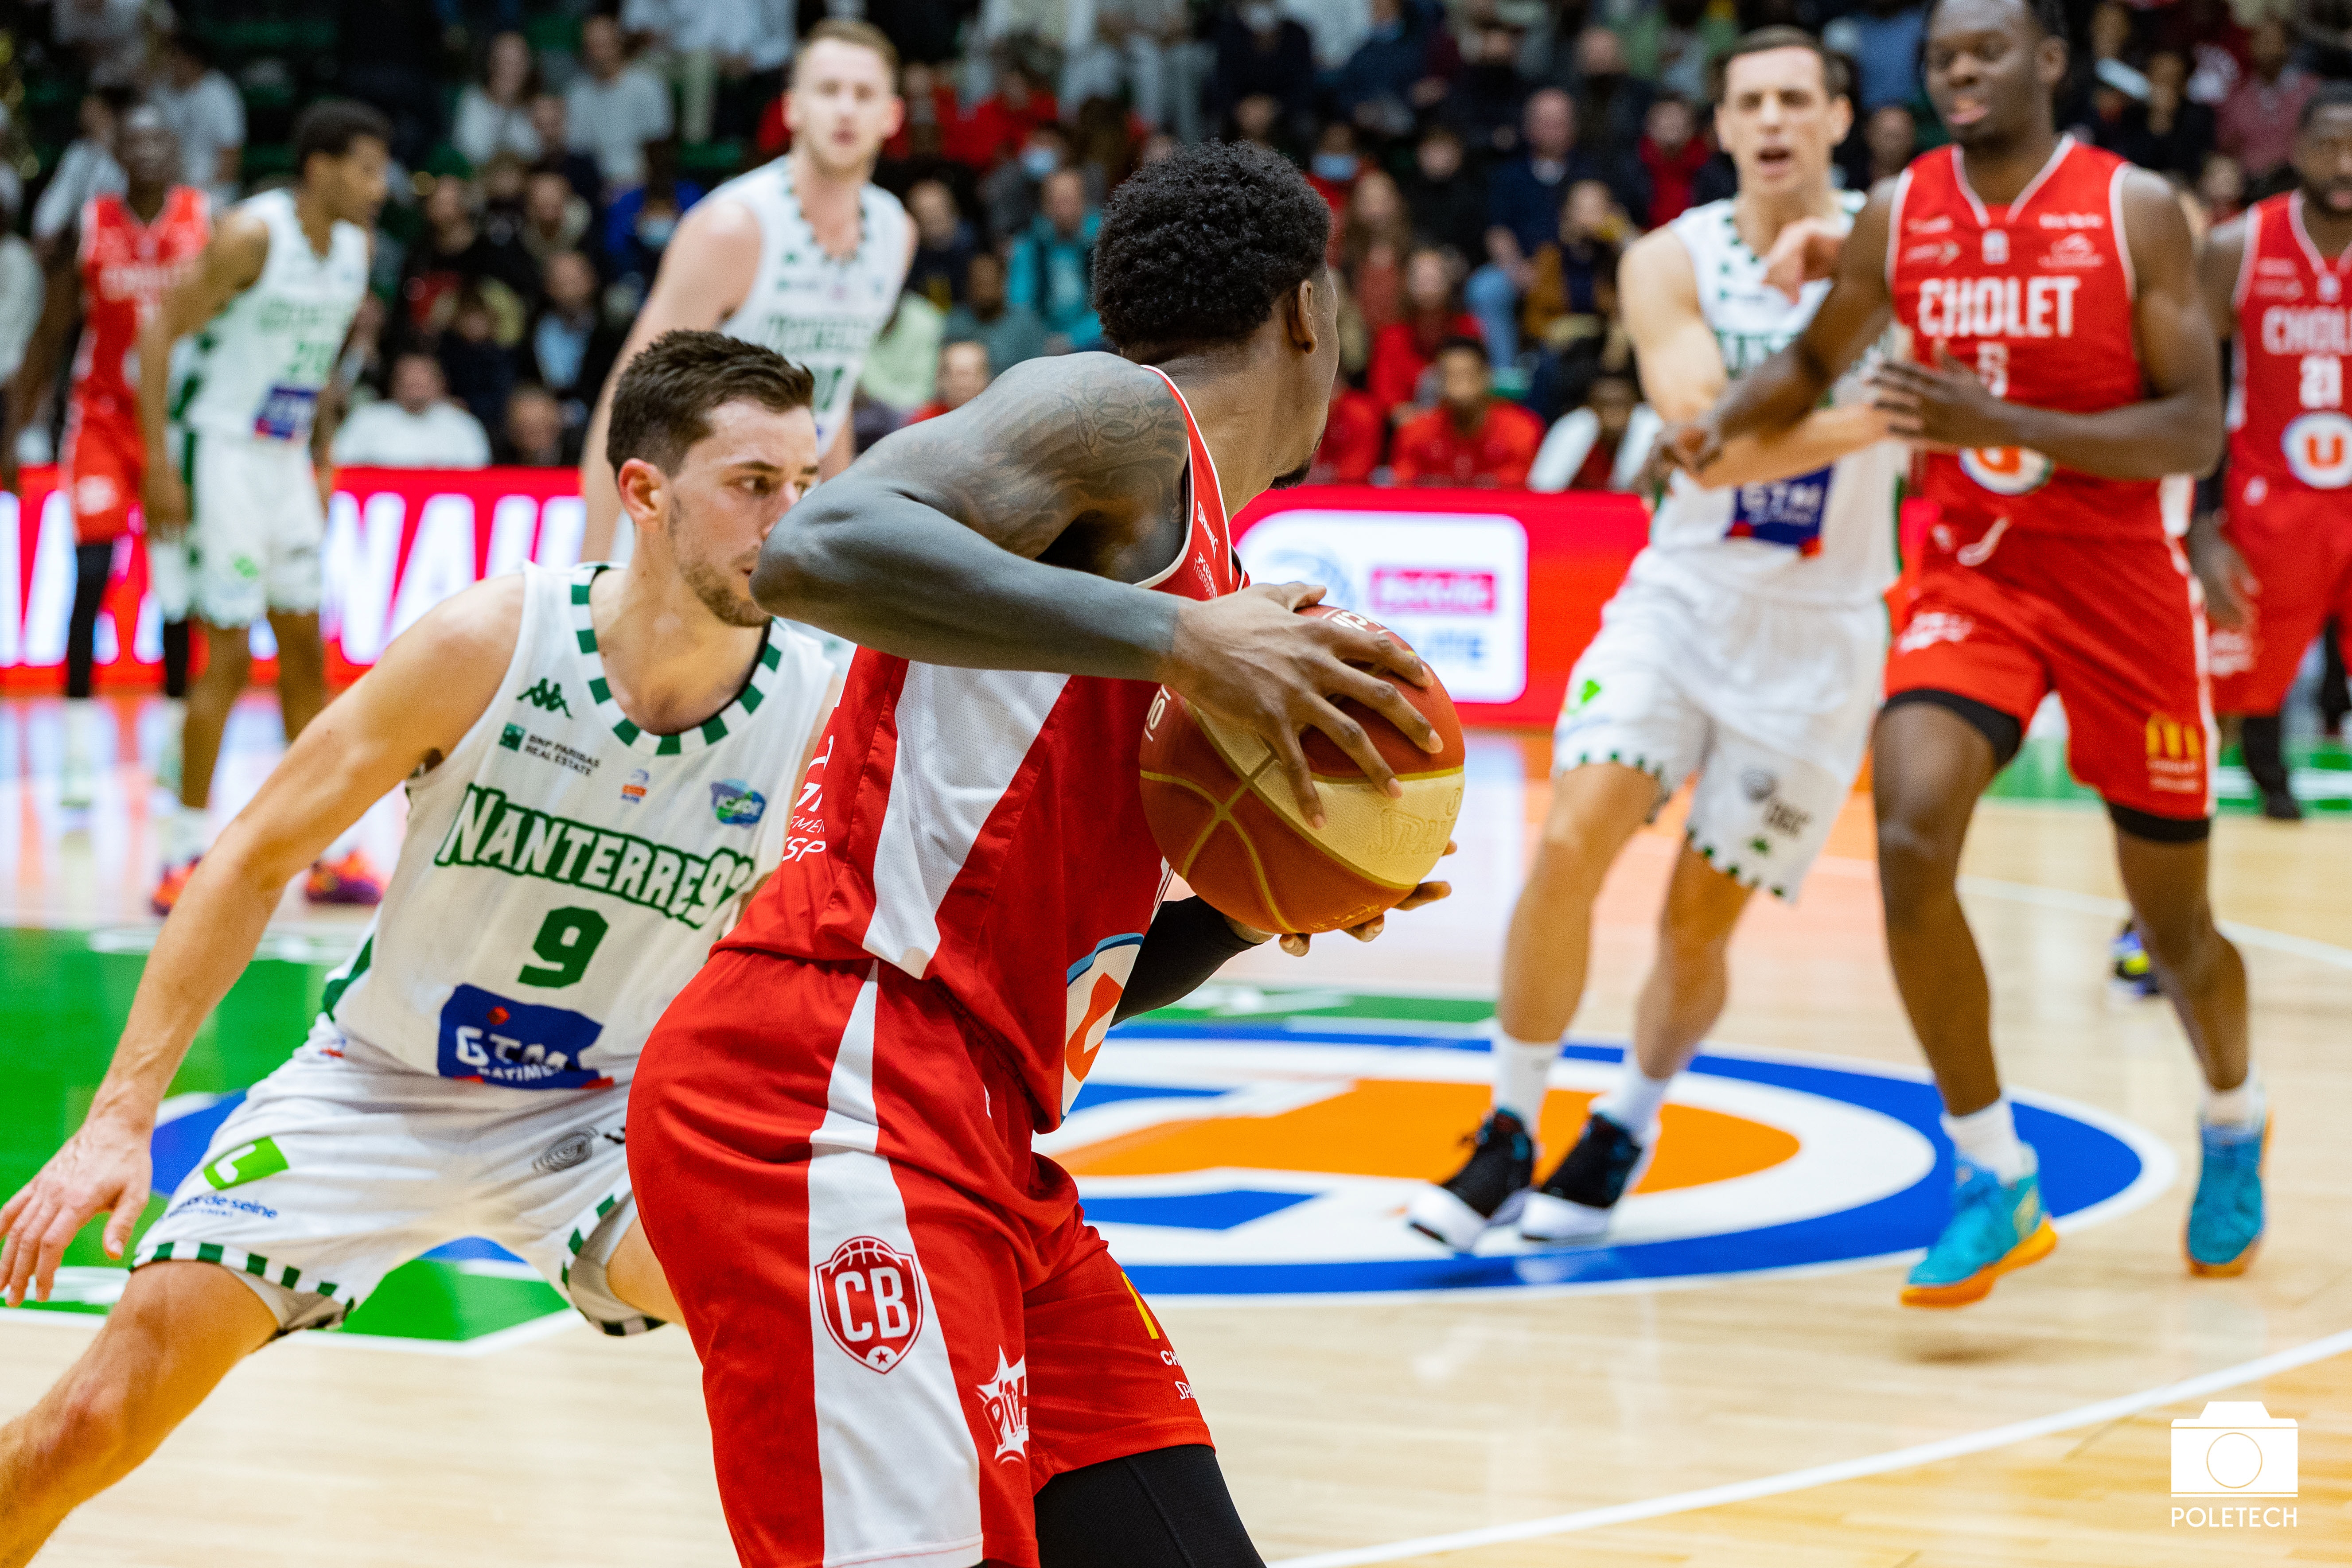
(1828, 535)
(565, 872)
(814, 309)
(262, 361)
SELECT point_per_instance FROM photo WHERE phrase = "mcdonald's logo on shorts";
(2176, 753)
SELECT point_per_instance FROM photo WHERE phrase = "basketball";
(1223, 812)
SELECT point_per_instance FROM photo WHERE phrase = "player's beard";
(719, 587)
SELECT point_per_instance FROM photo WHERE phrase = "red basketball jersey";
(984, 829)
(2287, 425)
(126, 266)
(2036, 297)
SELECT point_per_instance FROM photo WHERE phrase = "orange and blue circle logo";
(1276, 1158)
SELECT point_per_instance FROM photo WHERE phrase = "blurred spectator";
(494, 114)
(1262, 53)
(1104, 146)
(902, 367)
(87, 168)
(1009, 333)
(536, 435)
(204, 111)
(1333, 169)
(360, 372)
(571, 347)
(998, 127)
(109, 36)
(416, 427)
(1404, 68)
(2222, 186)
(1405, 348)
(1671, 153)
(1523, 203)
(2256, 124)
(456, 253)
(943, 245)
(1613, 104)
(1890, 137)
(1448, 201)
(1148, 44)
(613, 107)
(2166, 133)
(1336, 28)
(1353, 431)
(1601, 445)
(1570, 272)
(504, 180)
(1052, 266)
(1257, 119)
(480, 370)
(1670, 43)
(1373, 236)
(555, 217)
(2325, 29)
(389, 53)
(1009, 196)
(550, 117)
(710, 49)
(2206, 34)
(21, 289)
(1471, 438)
(963, 375)
(1489, 94)
(1882, 38)
(639, 223)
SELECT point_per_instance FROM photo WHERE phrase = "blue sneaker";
(2134, 974)
(2225, 1220)
(1995, 1229)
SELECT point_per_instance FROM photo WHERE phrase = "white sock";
(1988, 1139)
(184, 832)
(2243, 1106)
(1633, 1103)
(1521, 1070)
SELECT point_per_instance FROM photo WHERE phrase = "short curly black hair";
(1195, 249)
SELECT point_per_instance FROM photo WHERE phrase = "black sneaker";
(1576, 1203)
(1488, 1190)
(2280, 806)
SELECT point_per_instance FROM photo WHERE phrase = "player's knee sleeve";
(1165, 1508)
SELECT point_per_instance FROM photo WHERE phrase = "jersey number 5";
(567, 939)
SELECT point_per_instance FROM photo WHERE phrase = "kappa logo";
(872, 1297)
(1005, 1400)
(1995, 247)
(547, 697)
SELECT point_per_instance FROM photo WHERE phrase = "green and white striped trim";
(245, 1262)
(711, 731)
(1730, 868)
(582, 1229)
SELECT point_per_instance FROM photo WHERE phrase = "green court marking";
(2320, 771)
(448, 1302)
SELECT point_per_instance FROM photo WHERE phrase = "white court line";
(2325, 953)
(2106, 1410)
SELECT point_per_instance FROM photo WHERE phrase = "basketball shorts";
(104, 464)
(907, 1327)
(2115, 627)
(2297, 545)
(345, 1163)
(1769, 701)
(256, 528)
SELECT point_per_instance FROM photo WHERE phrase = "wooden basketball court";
(1751, 1409)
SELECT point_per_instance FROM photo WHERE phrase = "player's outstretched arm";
(1010, 535)
(408, 712)
(2176, 429)
(232, 260)
(706, 271)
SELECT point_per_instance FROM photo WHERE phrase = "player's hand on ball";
(2230, 588)
(1944, 403)
(164, 497)
(104, 1166)
(1250, 658)
(1296, 943)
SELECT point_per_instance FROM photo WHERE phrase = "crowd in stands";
(1485, 161)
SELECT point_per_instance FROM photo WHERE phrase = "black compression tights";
(93, 563)
(1165, 1508)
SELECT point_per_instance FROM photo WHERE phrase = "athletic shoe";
(1995, 1228)
(1487, 1190)
(2225, 1220)
(2134, 974)
(1575, 1205)
(2280, 806)
(175, 882)
(77, 782)
(353, 880)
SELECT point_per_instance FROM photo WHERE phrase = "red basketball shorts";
(105, 464)
(2115, 627)
(906, 1325)
(2297, 544)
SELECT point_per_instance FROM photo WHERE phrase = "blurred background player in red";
(2274, 542)
(126, 251)
(1472, 437)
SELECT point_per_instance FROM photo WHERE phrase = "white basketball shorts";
(345, 1163)
(1769, 701)
(256, 528)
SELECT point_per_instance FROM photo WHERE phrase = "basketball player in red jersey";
(2066, 365)
(128, 249)
(915, 1350)
(2276, 558)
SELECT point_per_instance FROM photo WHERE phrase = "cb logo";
(872, 1297)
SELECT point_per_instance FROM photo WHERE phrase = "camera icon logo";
(2236, 1448)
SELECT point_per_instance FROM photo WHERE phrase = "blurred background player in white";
(470, 1073)
(805, 255)
(269, 304)
(123, 252)
(1745, 646)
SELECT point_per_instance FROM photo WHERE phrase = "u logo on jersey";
(2319, 450)
(2006, 470)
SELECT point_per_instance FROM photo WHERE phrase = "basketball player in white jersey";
(599, 764)
(1745, 646)
(269, 305)
(806, 256)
